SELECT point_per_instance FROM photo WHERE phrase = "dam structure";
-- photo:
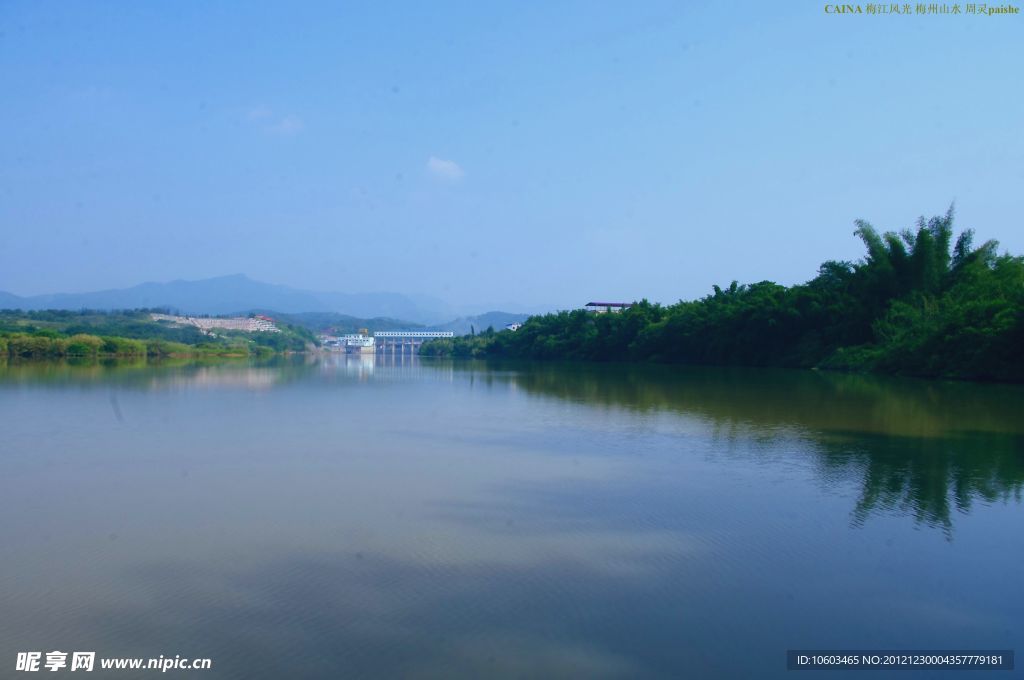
(402, 341)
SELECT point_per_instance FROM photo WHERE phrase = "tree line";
(918, 303)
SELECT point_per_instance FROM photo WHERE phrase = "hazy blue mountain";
(238, 293)
(341, 323)
(464, 324)
(8, 301)
(390, 305)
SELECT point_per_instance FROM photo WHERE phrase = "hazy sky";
(536, 153)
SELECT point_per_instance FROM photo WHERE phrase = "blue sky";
(518, 154)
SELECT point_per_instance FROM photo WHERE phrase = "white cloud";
(273, 123)
(259, 113)
(287, 125)
(443, 169)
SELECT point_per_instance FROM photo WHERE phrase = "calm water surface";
(346, 517)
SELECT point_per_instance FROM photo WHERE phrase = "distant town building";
(605, 307)
(513, 326)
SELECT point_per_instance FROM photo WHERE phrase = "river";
(330, 517)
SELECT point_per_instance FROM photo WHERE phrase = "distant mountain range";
(336, 323)
(238, 293)
(466, 324)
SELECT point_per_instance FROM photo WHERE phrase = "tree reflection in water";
(916, 447)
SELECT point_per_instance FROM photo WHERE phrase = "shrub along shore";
(92, 334)
(25, 345)
(916, 304)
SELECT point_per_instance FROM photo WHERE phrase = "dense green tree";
(917, 303)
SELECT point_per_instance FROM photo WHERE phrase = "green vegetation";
(135, 324)
(333, 323)
(917, 304)
(91, 334)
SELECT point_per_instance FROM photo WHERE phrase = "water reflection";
(156, 374)
(932, 480)
(929, 449)
(211, 373)
(924, 448)
(765, 398)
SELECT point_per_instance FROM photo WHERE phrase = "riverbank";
(81, 346)
(56, 334)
